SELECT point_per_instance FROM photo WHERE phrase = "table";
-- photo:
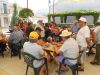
(51, 49)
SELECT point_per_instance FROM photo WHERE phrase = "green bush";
(25, 12)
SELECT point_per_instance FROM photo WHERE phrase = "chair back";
(28, 58)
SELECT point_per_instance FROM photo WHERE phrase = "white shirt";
(82, 34)
(97, 31)
(70, 49)
(36, 51)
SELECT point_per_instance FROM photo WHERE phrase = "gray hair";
(32, 40)
(15, 28)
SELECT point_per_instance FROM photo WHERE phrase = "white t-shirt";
(70, 49)
(82, 34)
(36, 51)
(97, 31)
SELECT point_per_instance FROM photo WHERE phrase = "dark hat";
(38, 29)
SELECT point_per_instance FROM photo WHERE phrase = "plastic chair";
(1, 52)
(2, 48)
(18, 47)
(28, 58)
(74, 68)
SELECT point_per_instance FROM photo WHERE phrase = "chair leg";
(11, 53)
(77, 69)
(2, 54)
(74, 69)
(36, 71)
(46, 64)
(59, 68)
(19, 53)
(27, 69)
(73, 72)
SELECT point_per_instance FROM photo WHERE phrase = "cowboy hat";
(65, 33)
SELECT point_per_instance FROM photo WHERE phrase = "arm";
(62, 49)
(88, 41)
(94, 36)
(58, 51)
(87, 36)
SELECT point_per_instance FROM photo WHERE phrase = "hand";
(88, 46)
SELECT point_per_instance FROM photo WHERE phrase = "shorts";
(60, 59)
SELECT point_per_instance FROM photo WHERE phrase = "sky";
(40, 6)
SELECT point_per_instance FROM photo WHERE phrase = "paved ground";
(14, 66)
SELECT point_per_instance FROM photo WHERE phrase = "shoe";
(62, 70)
(14, 54)
(93, 62)
(80, 69)
(98, 63)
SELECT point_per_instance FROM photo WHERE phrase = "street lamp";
(53, 6)
(27, 3)
(53, 9)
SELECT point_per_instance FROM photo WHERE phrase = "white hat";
(65, 33)
(83, 19)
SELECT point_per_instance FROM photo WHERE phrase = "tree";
(15, 17)
(25, 12)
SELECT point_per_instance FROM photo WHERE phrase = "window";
(5, 8)
(70, 19)
(57, 20)
(6, 23)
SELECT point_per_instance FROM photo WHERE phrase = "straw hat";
(65, 33)
(83, 19)
(34, 35)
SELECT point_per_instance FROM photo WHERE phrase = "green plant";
(25, 12)
(15, 17)
(78, 14)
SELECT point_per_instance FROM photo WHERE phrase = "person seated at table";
(3, 41)
(68, 49)
(40, 40)
(14, 41)
(56, 36)
(47, 32)
(36, 50)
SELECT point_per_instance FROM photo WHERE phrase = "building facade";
(4, 13)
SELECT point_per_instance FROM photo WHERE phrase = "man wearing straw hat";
(68, 49)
